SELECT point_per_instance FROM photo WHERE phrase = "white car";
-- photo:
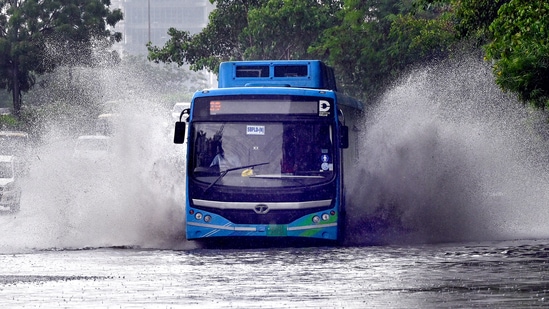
(13, 142)
(178, 108)
(92, 147)
(10, 190)
(105, 124)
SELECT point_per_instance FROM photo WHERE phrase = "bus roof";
(298, 75)
(286, 73)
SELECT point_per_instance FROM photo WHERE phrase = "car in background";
(10, 189)
(178, 108)
(93, 147)
(14, 142)
(17, 144)
(105, 124)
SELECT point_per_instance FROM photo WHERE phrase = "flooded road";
(466, 275)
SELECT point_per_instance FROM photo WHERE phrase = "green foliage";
(474, 18)
(520, 50)
(8, 122)
(416, 40)
(355, 46)
(253, 29)
(36, 36)
(284, 29)
(372, 47)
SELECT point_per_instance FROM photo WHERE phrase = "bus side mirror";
(344, 137)
(179, 133)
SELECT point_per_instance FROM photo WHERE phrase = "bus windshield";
(262, 154)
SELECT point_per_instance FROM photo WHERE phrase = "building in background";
(149, 20)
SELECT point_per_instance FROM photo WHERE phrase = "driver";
(223, 161)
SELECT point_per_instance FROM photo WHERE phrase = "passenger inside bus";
(305, 149)
(223, 161)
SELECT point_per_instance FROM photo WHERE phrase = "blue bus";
(266, 154)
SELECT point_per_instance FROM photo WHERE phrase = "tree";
(420, 36)
(474, 18)
(219, 41)
(37, 36)
(285, 29)
(250, 29)
(520, 50)
(359, 47)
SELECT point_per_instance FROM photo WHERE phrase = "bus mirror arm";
(179, 133)
(344, 137)
(186, 111)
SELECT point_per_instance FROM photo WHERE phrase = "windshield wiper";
(223, 173)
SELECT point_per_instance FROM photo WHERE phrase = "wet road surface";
(495, 274)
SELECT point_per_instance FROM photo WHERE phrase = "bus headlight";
(207, 218)
(325, 217)
(198, 216)
(316, 219)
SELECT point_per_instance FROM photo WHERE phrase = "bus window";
(290, 70)
(252, 71)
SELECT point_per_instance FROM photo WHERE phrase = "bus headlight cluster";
(200, 216)
(325, 217)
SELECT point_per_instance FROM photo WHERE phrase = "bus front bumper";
(321, 225)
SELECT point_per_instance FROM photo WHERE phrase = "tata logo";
(261, 209)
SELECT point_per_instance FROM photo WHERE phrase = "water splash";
(135, 199)
(446, 156)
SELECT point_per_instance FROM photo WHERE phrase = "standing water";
(448, 210)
